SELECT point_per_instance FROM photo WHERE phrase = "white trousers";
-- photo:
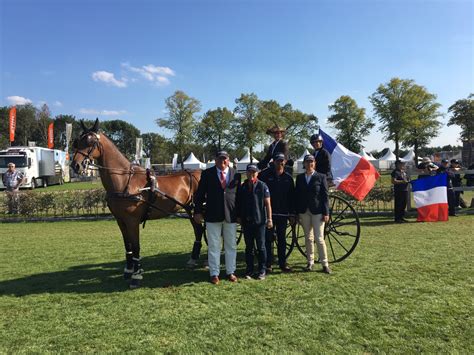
(214, 232)
(311, 222)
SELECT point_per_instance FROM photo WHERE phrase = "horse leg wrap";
(137, 270)
(128, 270)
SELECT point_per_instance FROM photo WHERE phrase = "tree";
(180, 119)
(423, 124)
(463, 116)
(157, 147)
(43, 119)
(4, 127)
(123, 134)
(299, 126)
(25, 124)
(351, 122)
(60, 122)
(249, 125)
(214, 130)
(392, 106)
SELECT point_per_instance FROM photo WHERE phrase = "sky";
(121, 59)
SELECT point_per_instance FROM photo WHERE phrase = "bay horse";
(134, 194)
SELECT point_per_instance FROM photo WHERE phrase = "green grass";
(406, 289)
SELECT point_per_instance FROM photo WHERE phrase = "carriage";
(134, 196)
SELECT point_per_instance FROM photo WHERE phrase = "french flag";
(351, 172)
(431, 199)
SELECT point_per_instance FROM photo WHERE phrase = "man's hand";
(325, 219)
(198, 218)
(269, 224)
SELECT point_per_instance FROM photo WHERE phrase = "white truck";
(40, 166)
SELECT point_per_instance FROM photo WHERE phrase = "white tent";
(193, 163)
(242, 163)
(366, 155)
(410, 156)
(210, 164)
(299, 168)
(389, 156)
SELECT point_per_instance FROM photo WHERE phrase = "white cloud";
(18, 100)
(58, 104)
(94, 112)
(155, 74)
(109, 78)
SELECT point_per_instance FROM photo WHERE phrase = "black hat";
(279, 156)
(222, 153)
(399, 161)
(275, 129)
(308, 157)
(315, 138)
(445, 161)
(252, 167)
(455, 161)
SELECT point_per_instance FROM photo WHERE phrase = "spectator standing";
(255, 213)
(400, 191)
(12, 180)
(457, 181)
(218, 190)
(312, 206)
(445, 168)
(282, 188)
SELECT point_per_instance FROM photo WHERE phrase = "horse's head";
(86, 148)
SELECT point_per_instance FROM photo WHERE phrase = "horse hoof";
(127, 275)
(134, 284)
(191, 264)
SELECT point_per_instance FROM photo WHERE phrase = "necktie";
(223, 180)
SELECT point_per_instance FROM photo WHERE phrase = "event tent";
(298, 167)
(366, 155)
(193, 163)
(244, 161)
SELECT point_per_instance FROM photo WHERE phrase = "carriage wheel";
(341, 233)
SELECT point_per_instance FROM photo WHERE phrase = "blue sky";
(121, 59)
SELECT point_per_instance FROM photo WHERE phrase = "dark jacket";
(313, 195)
(220, 203)
(323, 162)
(251, 203)
(281, 147)
(282, 190)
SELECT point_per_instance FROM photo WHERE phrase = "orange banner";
(51, 136)
(12, 121)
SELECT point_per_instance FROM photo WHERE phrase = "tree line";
(407, 113)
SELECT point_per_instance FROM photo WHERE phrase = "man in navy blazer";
(218, 190)
(278, 146)
(312, 206)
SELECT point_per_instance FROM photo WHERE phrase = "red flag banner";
(51, 136)
(12, 121)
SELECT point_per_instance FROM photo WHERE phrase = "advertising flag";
(51, 135)
(12, 122)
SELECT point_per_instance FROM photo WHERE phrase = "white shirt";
(308, 177)
(226, 173)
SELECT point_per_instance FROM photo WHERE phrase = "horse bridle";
(88, 160)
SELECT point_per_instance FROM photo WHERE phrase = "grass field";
(406, 289)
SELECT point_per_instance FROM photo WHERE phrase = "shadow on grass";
(163, 270)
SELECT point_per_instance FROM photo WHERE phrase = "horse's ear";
(96, 126)
(82, 125)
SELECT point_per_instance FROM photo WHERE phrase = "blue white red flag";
(431, 199)
(351, 172)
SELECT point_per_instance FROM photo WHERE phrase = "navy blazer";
(323, 162)
(314, 195)
(220, 203)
